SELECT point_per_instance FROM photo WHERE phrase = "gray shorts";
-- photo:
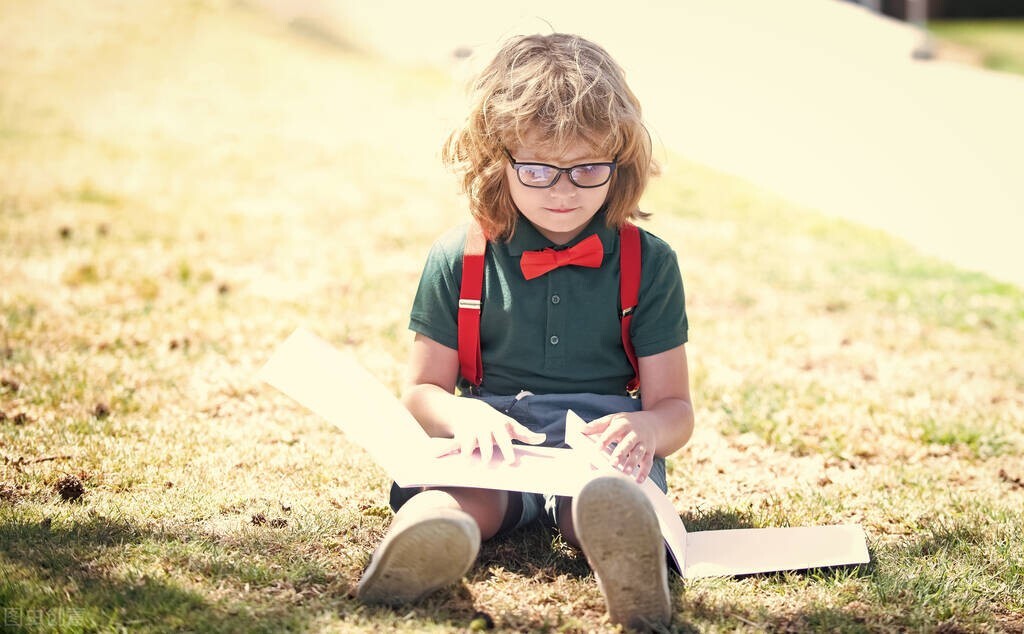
(545, 413)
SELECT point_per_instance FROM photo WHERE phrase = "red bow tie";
(587, 253)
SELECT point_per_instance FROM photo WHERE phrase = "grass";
(181, 184)
(998, 44)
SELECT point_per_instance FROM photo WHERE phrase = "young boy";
(553, 158)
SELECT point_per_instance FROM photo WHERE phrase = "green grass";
(253, 180)
(998, 43)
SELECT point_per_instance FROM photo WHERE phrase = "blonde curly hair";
(561, 89)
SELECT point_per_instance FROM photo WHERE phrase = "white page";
(752, 550)
(332, 384)
(537, 470)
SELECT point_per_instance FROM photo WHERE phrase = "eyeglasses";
(542, 175)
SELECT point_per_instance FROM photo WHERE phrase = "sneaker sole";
(421, 557)
(619, 533)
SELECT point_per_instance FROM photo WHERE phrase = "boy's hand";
(477, 424)
(635, 442)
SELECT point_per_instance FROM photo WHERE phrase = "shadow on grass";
(105, 574)
(855, 617)
(538, 552)
(108, 573)
(717, 519)
(77, 579)
(534, 551)
(944, 538)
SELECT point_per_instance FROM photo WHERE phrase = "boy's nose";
(563, 186)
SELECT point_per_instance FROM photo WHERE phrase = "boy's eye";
(591, 174)
(536, 173)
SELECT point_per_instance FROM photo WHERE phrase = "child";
(553, 156)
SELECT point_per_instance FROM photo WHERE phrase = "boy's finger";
(467, 445)
(486, 448)
(627, 445)
(508, 452)
(524, 434)
(645, 467)
(596, 425)
(618, 455)
(611, 435)
(617, 431)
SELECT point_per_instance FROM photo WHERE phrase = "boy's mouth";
(560, 210)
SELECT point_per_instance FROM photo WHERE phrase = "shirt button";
(554, 340)
(555, 299)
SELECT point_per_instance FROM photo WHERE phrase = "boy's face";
(559, 212)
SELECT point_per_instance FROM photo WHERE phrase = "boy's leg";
(431, 543)
(618, 531)
(563, 511)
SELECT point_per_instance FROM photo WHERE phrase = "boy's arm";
(665, 381)
(663, 425)
(429, 395)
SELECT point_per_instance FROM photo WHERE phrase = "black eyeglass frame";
(559, 170)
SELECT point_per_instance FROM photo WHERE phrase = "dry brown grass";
(182, 184)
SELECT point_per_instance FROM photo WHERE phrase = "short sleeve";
(435, 307)
(659, 323)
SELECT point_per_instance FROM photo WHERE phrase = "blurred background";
(901, 114)
(883, 112)
(855, 109)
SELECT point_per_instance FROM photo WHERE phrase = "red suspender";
(629, 294)
(470, 293)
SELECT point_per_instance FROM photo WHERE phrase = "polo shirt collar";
(527, 238)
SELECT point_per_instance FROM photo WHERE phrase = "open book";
(333, 385)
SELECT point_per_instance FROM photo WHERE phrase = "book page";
(332, 384)
(745, 551)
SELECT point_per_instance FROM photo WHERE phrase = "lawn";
(997, 44)
(182, 184)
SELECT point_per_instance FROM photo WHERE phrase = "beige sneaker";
(619, 533)
(420, 555)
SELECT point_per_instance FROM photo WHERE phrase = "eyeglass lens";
(589, 175)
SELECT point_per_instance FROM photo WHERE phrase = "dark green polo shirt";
(558, 333)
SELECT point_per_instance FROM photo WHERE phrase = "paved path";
(818, 100)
